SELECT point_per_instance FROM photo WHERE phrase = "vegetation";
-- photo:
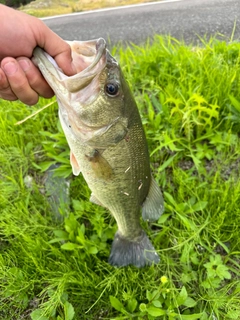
(41, 8)
(53, 269)
(14, 3)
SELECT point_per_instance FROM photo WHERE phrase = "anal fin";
(94, 200)
(153, 205)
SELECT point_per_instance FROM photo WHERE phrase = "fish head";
(91, 101)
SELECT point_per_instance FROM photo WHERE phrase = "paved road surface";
(182, 19)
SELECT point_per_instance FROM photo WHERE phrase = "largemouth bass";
(107, 143)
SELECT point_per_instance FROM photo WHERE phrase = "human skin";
(20, 33)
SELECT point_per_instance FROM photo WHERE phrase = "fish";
(108, 146)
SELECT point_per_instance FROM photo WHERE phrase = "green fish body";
(108, 146)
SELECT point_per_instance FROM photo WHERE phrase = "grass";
(189, 99)
(39, 8)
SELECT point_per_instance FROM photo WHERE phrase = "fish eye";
(112, 89)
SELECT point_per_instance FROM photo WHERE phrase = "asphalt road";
(183, 19)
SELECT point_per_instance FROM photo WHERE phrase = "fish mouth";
(88, 57)
(87, 54)
(75, 92)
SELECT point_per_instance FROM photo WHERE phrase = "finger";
(58, 49)
(18, 81)
(5, 90)
(35, 78)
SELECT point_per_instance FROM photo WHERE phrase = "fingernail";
(10, 68)
(25, 65)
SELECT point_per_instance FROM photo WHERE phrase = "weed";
(39, 8)
(51, 270)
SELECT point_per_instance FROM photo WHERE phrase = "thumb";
(64, 61)
(59, 50)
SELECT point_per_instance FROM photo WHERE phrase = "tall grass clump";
(39, 8)
(54, 266)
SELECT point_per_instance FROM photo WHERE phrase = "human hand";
(19, 35)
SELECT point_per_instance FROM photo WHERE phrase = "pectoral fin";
(100, 165)
(75, 166)
(153, 206)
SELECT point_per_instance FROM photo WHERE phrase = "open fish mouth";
(87, 54)
(76, 92)
(89, 58)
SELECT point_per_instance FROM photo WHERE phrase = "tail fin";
(139, 253)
